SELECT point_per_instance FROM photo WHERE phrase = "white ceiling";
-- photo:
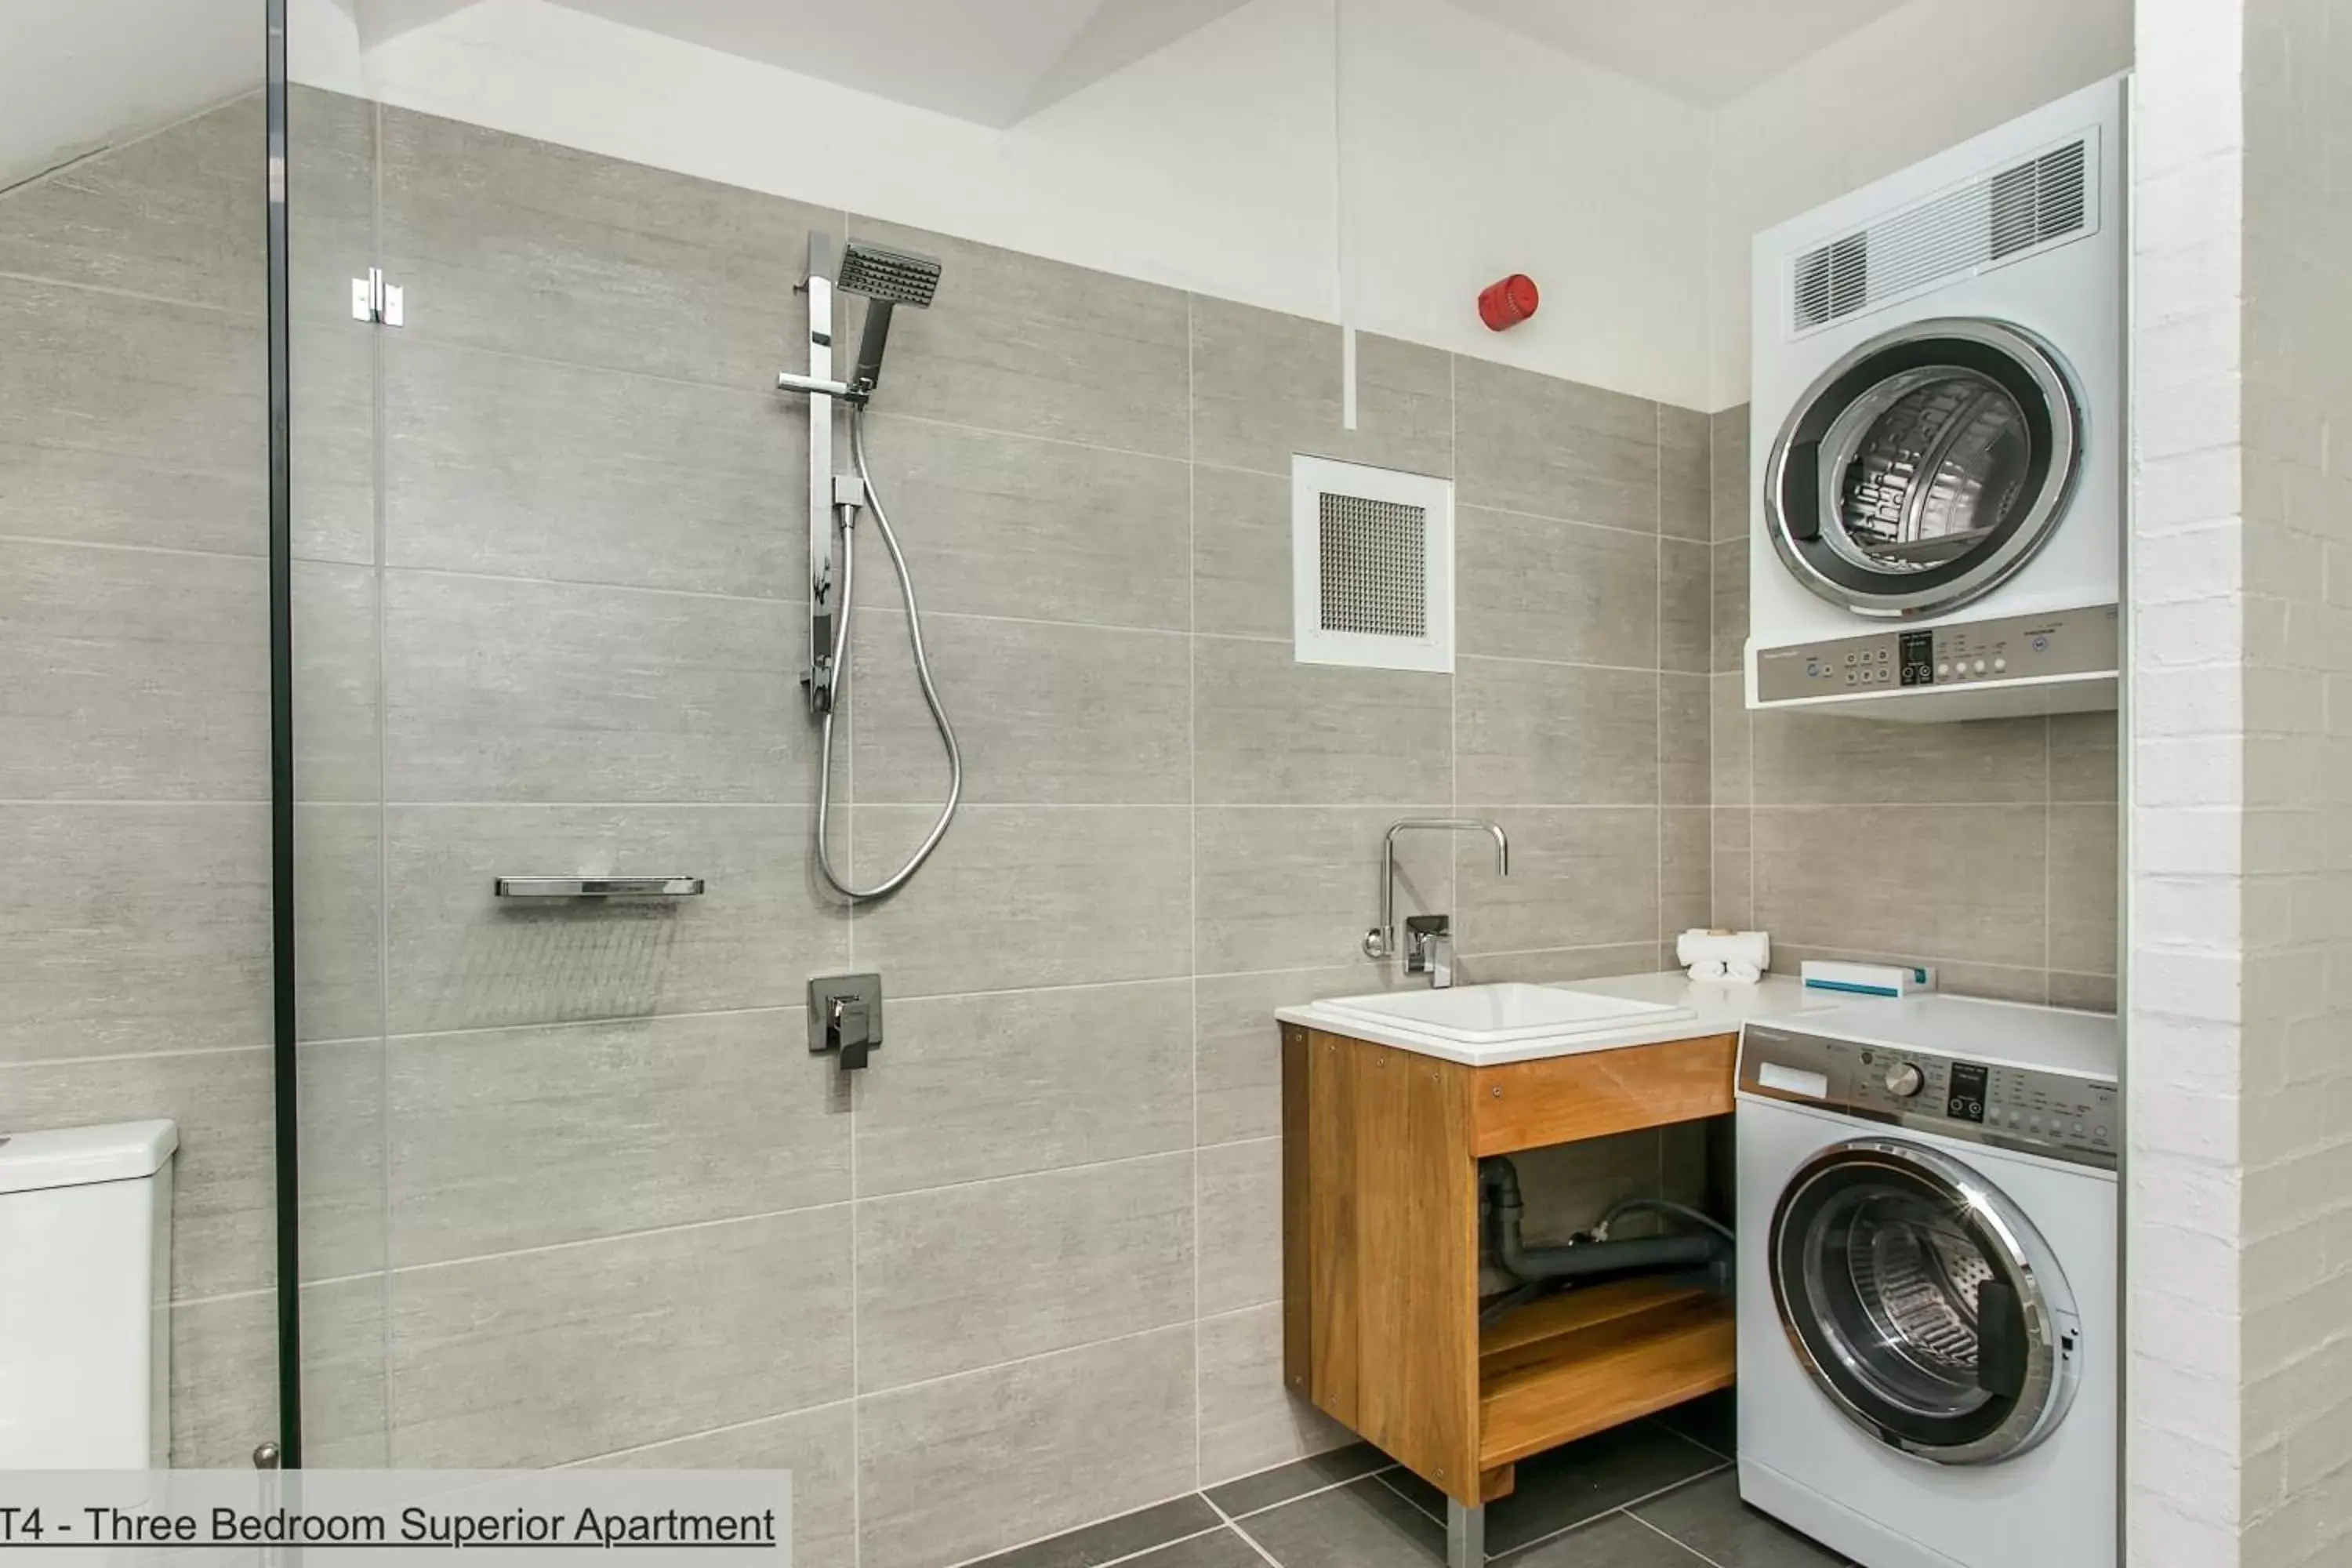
(1703, 51)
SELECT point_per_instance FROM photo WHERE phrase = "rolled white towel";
(1751, 947)
(1708, 969)
(1741, 973)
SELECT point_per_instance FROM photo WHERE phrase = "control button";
(1850, 678)
(1999, 664)
(2042, 645)
(2079, 1131)
(2099, 1133)
(1812, 666)
(1882, 656)
(1943, 670)
(1979, 667)
(1904, 1080)
(1850, 659)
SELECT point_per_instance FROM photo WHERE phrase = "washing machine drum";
(1923, 1302)
(1925, 467)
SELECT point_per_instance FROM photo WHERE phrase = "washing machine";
(1927, 1284)
(1936, 436)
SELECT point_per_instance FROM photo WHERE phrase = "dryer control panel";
(2066, 643)
(2055, 1115)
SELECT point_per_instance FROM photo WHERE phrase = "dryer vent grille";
(1994, 218)
(1372, 566)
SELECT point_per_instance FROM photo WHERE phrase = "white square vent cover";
(1371, 555)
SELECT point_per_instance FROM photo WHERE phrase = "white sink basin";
(1498, 1014)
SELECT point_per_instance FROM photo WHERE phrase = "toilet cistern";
(1429, 938)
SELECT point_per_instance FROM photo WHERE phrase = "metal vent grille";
(1374, 556)
(1995, 218)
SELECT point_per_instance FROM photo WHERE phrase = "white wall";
(76, 75)
(1211, 165)
(1916, 81)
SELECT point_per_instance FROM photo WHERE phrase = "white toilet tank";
(85, 1298)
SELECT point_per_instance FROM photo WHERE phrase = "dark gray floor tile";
(1267, 1488)
(1114, 1539)
(1710, 1520)
(1581, 1481)
(1712, 1421)
(1221, 1550)
(1361, 1525)
(1619, 1540)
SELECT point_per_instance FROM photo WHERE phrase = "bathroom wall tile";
(1938, 882)
(330, 201)
(1567, 1187)
(1533, 587)
(338, 916)
(512, 1138)
(969, 1088)
(1040, 348)
(818, 1447)
(1056, 715)
(140, 675)
(2083, 848)
(339, 1156)
(1296, 888)
(1266, 385)
(1686, 870)
(2085, 993)
(2082, 757)
(1730, 738)
(1249, 1421)
(1241, 553)
(1534, 444)
(1241, 1225)
(963, 1278)
(127, 421)
(223, 1208)
(535, 1358)
(1727, 488)
(1731, 606)
(551, 692)
(153, 935)
(1686, 723)
(1733, 900)
(949, 1471)
(1555, 734)
(224, 1377)
(528, 248)
(460, 958)
(1270, 729)
(1001, 524)
(345, 1419)
(527, 468)
(338, 735)
(332, 436)
(1025, 897)
(176, 215)
(1685, 464)
(1807, 759)
(1580, 878)
(1686, 606)
(1238, 1051)
(1555, 965)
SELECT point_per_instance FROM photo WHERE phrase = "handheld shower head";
(887, 278)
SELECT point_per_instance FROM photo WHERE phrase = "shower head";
(887, 278)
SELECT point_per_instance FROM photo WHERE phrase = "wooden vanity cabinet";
(1381, 1150)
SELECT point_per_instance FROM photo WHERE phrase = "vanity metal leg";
(1465, 1536)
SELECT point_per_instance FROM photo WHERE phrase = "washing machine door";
(1925, 467)
(1923, 1302)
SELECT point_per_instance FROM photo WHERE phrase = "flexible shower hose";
(848, 515)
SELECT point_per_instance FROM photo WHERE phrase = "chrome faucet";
(1429, 939)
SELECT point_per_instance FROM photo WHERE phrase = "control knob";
(1904, 1079)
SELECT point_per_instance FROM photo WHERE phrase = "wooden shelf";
(1587, 1360)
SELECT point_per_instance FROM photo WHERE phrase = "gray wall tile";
(1241, 1225)
(1938, 882)
(330, 201)
(1021, 897)
(968, 1087)
(1555, 734)
(1686, 606)
(1238, 1055)
(951, 1469)
(140, 676)
(2082, 757)
(1535, 588)
(527, 468)
(1727, 496)
(1555, 448)
(2085, 993)
(1686, 870)
(1730, 744)
(1270, 729)
(2083, 845)
(155, 934)
(332, 455)
(818, 1447)
(551, 691)
(340, 1155)
(1555, 965)
(1241, 553)
(1042, 348)
(1730, 573)
(1580, 878)
(1733, 899)
(1249, 1421)
(1044, 714)
(1686, 479)
(1686, 754)
(338, 684)
(1808, 759)
(513, 1137)
(1003, 524)
(963, 1278)
(1266, 385)
(224, 1378)
(1296, 887)
(458, 958)
(535, 1358)
(338, 914)
(529, 248)
(130, 421)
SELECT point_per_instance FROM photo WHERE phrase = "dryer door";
(1925, 467)
(1923, 1302)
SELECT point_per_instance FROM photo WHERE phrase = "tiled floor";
(1653, 1494)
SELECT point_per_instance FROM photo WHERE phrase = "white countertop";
(1719, 1007)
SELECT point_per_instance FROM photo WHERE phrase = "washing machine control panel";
(1970, 653)
(2053, 1114)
